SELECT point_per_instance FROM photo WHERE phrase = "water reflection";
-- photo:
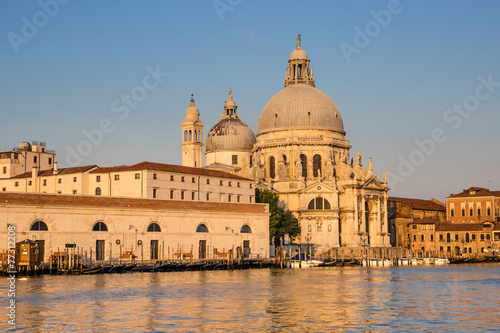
(455, 298)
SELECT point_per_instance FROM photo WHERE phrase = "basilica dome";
(300, 104)
(230, 133)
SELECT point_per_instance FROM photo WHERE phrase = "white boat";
(304, 263)
(302, 260)
(441, 261)
(376, 262)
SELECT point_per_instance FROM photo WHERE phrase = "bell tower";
(192, 137)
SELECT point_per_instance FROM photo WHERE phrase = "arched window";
(39, 226)
(272, 167)
(319, 203)
(100, 226)
(245, 229)
(98, 191)
(467, 238)
(185, 135)
(154, 227)
(202, 228)
(303, 160)
(317, 166)
(448, 237)
(196, 136)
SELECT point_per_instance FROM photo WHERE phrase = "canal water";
(349, 299)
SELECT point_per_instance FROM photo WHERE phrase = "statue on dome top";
(298, 41)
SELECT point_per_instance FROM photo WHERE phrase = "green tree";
(281, 221)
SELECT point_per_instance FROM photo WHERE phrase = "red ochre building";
(470, 228)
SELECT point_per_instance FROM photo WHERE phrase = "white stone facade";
(72, 220)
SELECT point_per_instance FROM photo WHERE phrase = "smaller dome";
(298, 53)
(230, 103)
(192, 108)
(24, 146)
(230, 134)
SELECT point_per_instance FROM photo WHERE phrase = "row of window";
(98, 191)
(471, 212)
(35, 159)
(303, 161)
(172, 178)
(422, 238)
(468, 237)
(457, 249)
(192, 135)
(153, 227)
(44, 183)
(4, 189)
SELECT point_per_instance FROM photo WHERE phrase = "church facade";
(300, 153)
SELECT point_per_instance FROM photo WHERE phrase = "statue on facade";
(328, 170)
(282, 170)
(359, 159)
(298, 168)
(370, 166)
(256, 173)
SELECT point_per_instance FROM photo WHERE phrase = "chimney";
(34, 179)
(55, 168)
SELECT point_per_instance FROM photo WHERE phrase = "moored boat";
(92, 270)
(441, 261)
(302, 260)
(376, 262)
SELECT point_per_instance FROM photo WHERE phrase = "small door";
(99, 249)
(154, 250)
(202, 251)
(246, 248)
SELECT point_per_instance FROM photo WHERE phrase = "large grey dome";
(300, 106)
(230, 134)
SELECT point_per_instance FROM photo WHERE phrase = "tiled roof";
(425, 220)
(420, 204)
(398, 215)
(60, 171)
(448, 226)
(169, 168)
(479, 192)
(121, 202)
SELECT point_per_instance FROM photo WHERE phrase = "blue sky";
(399, 93)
